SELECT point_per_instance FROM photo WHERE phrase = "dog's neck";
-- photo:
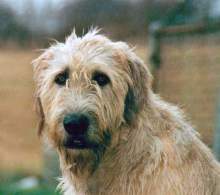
(137, 141)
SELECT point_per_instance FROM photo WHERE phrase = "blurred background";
(178, 39)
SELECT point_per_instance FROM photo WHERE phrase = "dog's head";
(87, 89)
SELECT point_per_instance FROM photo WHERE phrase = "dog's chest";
(115, 183)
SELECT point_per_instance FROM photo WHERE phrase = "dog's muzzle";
(76, 126)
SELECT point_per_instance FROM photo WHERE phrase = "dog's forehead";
(82, 53)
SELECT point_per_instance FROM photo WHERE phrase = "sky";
(215, 8)
(51, 23)
(19, 5)
(31, 12)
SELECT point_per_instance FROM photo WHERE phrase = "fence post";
(216, 145)
(154, 55)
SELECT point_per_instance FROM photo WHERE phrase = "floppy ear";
(139, 88)
(40, 113)
(39, 65)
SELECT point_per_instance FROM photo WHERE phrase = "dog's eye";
(101, 78)
(61, 78)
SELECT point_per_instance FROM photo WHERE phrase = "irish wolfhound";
(114, 136)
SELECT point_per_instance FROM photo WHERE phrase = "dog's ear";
(40, 113)
(39, 65)
(141, 80)
(139, 86)
(130, 106)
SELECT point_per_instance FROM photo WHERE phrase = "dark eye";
(101, 78)
(61, 78)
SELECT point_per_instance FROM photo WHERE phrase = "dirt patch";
(19, 144)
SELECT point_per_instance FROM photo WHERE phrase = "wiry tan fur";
(153, 150)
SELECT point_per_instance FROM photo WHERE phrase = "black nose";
(76, 124)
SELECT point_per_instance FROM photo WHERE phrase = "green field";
(11, 184)
(8, 189)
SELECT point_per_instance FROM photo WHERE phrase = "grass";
(41, 190)
(8, 189)
(11, 187)
(10, 184)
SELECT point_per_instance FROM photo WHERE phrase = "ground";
(19, 144)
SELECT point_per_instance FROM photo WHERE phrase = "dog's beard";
(90, 143)
(79, 142)
(77, 159)
(79, 154)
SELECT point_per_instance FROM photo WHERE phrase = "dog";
(114, 136)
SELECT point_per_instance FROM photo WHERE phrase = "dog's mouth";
(78, 142)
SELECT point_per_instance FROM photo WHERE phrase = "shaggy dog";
(114, 136)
